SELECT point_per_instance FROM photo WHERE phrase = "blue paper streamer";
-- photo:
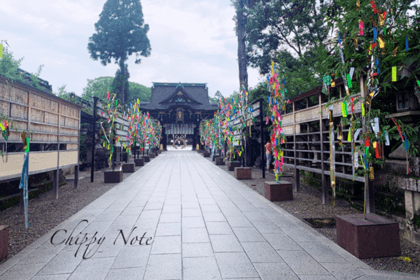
(406, 43)
(406, 143)
(375, 34)
(339, 38)
(377, 66)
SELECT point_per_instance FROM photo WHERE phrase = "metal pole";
(262, 138)
(92, 167)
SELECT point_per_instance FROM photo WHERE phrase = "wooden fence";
(53, 124)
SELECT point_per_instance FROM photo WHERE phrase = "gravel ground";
(45, 212)
(308, 204)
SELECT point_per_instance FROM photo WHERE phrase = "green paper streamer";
(349, 81)
(384, 30)
(344, 109)
(394, 73)
(349, 135)
(27, 145)
(1, 51)
(418, 83)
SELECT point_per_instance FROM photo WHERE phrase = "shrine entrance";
(180, 107)
(178, 140)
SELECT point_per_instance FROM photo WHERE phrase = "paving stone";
(259, 252)
(197, 250)
(281, 242)
(200, 268)
(64, 262)
(207, 201)
(150, 214)
(195, 210)
(210, 208)
(164, 267)
(214, 217)
(299, 234)
(193, 222)
(218, 228)
(195, 235)
(94, 269)
(343, 271)
(168, 229)
(132, 257)
(267, 227)
(190, 204)
(172, 208)
(321, 253)
(295, 259)
(22, 271)
(132, 211)
(52, 277)
(153, 206)
(170, 218)
(274, 271)
(238, 221)
(248, 234)
(126, 273)
(166, 245)
(191, 212)
(235, 265)
(225, 243)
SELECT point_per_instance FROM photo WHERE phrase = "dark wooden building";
(180, 107)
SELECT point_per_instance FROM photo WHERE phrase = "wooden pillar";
(57, 172)
(325, 198)
(262, 138)
(297, 179)
(76, 176)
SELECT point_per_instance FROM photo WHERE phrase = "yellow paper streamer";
(371, 174)
(1, 51)
(363, 109)
(394, 73)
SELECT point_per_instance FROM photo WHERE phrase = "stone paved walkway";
(200, 223)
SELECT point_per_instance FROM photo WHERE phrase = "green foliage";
(294, 35)
(260, 91)
(120, 84)
(98, 87)
(9, 69)
(120, 32)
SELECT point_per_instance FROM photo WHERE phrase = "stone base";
(4, 242)
(243, 173)
(152, 155)
(214, 157)
(219, 161)
(113, 176)
(278, 191)
(233, 164)
(146, 158)
(375, 237)
(206, 154)
(128, 168)
(139, 161)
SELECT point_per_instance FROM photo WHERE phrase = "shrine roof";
(169, 95)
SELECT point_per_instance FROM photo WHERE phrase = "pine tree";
(120, 32)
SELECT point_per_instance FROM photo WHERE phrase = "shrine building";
(180, 107)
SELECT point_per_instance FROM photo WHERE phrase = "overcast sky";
(192, 41)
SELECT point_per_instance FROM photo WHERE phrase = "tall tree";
(120, 32)
(241, 32)
(120, 84)
(294, 35)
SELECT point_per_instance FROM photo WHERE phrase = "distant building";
(180, 107)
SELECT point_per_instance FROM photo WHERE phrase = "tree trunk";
(242, 60)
